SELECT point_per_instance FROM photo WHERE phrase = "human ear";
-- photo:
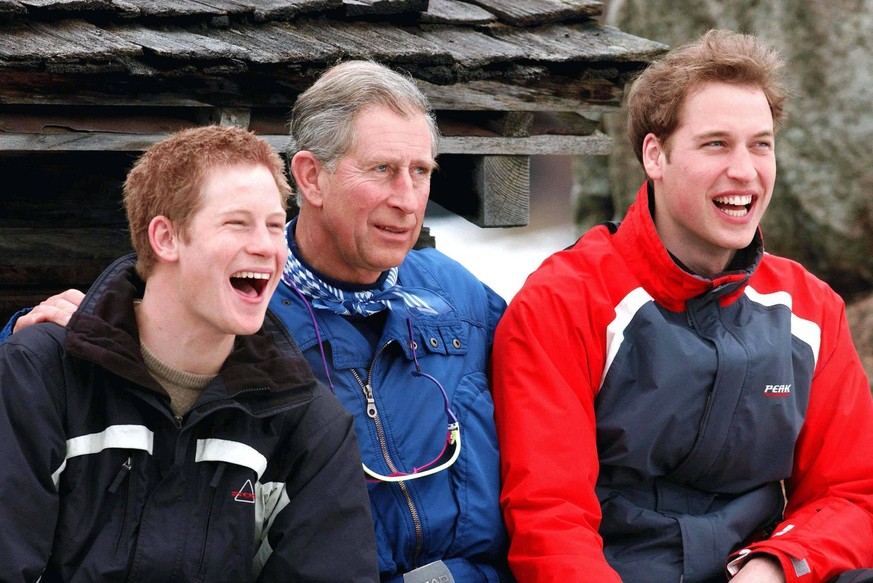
(654, 156)
(164, 239)
(306, 169)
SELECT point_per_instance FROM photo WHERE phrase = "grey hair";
(323, 117)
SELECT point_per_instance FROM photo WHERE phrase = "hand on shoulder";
(57, 309)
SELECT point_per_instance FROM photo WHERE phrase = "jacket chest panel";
(730, 386)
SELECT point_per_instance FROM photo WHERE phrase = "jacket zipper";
(373, 413)
(692, 323)
(113, 488)
(213, 485)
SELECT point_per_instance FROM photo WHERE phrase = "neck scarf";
(389, 295)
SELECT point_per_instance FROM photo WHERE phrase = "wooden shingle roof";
(491, 68)
(87, 84)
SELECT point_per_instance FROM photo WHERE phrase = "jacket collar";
(669, 283)
(104, 331)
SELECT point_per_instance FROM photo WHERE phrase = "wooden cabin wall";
(61, 222)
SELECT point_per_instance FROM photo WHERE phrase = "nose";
(404, 192)
(741, 165)
(261, 241)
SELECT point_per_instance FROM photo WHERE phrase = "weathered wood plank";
(183, 8)
(384, 7)
(124, 120)
(266, 10)
(65, 40)
(587, 89)
(513, 124)
(473, 49)
(455, 12)
(199, 90)
(534, 12)
(504, 182)
(566, 123)
(76, 5)
(376, 41)
(596, 144)
(274, 42)
(77, 142)
(586, 42)
(177, 44)
(551, 93)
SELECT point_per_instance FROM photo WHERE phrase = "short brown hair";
(655, 99)
(167, 178)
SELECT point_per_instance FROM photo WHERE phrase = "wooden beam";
(58, 256)
(489, 191)
(596, 144)
(240, 117)
(594, 91)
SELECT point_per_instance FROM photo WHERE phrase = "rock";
(860, 316)
(822, 210)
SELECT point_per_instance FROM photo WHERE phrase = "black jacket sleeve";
(324, 531)
(32, 450)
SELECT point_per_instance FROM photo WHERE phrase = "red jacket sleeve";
(828, 525)
(546, 373)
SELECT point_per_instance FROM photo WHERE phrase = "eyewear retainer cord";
(453, 432)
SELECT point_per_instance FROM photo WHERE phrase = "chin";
(246, 331)
(248, 326)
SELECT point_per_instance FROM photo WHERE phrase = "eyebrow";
(721, 134)
(246, 211)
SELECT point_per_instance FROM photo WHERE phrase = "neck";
(706, 268)
(166, 332)
(315, 246)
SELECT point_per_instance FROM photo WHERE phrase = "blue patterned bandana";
(364, 303)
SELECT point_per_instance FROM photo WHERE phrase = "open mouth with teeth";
(250, 283)
(734, 206)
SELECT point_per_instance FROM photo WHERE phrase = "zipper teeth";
(209, 520)
(383, 445)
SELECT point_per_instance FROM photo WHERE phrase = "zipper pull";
(371, 402)
(122, 473)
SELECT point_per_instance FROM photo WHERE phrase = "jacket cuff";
(10, 325)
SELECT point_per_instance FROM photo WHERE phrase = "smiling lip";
(735, 205)
(250, 284)
(395, 231)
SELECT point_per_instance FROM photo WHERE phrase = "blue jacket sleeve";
(7, 329)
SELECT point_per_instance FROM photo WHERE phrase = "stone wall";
(822, 209)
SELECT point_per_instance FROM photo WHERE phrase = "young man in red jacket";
(674, 404)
